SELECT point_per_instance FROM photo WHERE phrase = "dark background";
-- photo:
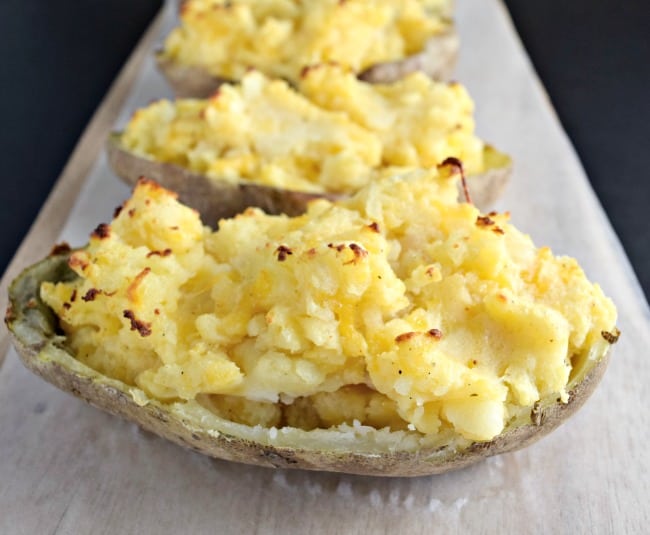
(59, 59)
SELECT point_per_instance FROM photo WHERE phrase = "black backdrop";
(59, 59)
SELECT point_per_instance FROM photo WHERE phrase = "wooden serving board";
(68, 468)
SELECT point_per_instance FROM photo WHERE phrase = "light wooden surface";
(68, 468)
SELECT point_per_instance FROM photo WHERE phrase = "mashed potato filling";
(335, 134)
(279, 37)
(398, 307)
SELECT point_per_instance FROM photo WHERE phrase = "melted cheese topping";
(279, 37)
(335, 135)
(396, 308)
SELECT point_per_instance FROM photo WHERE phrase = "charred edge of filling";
(60, 248)
(163, 253)
(142, 327)
(102, 231)
(283, 251)
(611, 337)
(91, 294)
(374, 226)
(485, 221)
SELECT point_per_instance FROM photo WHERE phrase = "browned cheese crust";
(35, 334)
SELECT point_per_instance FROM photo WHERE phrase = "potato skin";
(34, 331)
(215, 199)
(188, 81)
(437, 61)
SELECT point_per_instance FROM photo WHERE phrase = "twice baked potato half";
(352, 347)
(37, 338)
(264, 143)
(381, 42)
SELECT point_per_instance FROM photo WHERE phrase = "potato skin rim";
(33, 330)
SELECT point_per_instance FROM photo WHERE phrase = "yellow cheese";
(334, 135)
(397, 307)
(279, 37)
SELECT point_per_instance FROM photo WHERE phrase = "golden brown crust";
(437, 61)
(33, 328)
(215, 199)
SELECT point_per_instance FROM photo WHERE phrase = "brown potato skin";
(188, 81)
(437, 61)
(33, 328)
(215, 199)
